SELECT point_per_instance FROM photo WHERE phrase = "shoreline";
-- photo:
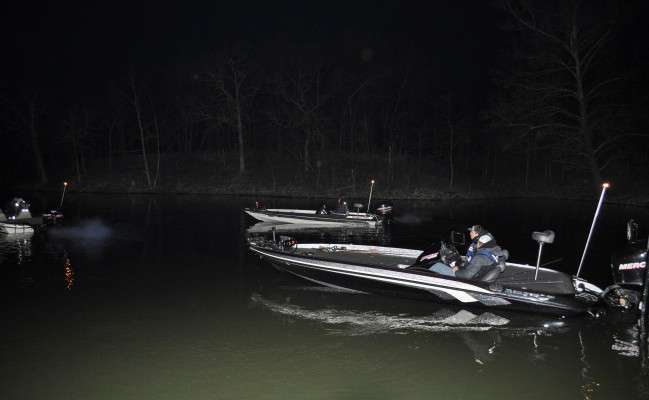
(424, 194)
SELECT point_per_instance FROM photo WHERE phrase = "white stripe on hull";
(429, 283)
(290, 220)
(300, 220)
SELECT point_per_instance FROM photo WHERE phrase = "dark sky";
(78, 44)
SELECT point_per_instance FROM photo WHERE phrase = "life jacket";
(484, 245)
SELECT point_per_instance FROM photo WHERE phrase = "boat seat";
(543, 237)
(491, 272)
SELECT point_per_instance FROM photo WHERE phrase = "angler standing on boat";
(342, 206)
(483, 252)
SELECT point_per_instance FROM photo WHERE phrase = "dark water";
(157, 298)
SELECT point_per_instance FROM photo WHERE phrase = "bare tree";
(32, 116)
(232, 83)
(151, 177)
(301, 90)
(560, 90)
(76, 129)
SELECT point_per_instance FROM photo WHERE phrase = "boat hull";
(311, 217)
(418, 285)
(15, 229)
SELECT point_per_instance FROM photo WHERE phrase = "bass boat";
(321, 217)
(401, 272)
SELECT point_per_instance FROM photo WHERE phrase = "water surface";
(153, 297)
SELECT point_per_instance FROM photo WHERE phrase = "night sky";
(72, 54)
(79, 45)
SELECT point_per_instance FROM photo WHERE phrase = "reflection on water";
(68, 274)
(484, 333)
(29, 261)
(378, 235)
(373, 322)
(17, 246)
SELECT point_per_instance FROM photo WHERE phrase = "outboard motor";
(384, 209)
(18, 209)
(629, 269)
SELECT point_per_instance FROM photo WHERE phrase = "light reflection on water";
(139, 297)
(68, 274)
(18, 246)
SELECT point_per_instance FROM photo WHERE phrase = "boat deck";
(359, 257)
(515, 276)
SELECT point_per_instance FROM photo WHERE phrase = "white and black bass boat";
(401, 272)
(297, 216)
(323, 216)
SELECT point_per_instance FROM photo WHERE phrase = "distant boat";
(322, 217)
(312, 217)
(20, 220)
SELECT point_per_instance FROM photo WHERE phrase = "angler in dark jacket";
(483, 252)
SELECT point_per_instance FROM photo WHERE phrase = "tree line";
(559, 108)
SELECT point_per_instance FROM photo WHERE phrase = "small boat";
(323, 216)
(19, 220)
(400, 272)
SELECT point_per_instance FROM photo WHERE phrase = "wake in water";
(372, 322)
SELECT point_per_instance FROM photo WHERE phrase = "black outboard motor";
(384, 209)
(629, 269)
